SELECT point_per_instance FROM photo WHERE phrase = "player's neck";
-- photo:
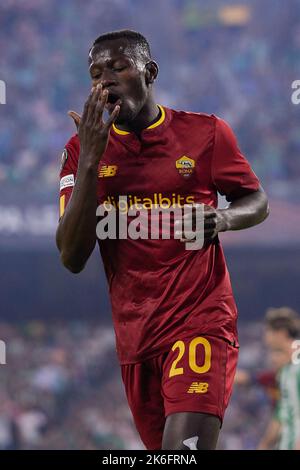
(147, 116)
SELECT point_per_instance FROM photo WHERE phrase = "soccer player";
(173, 309)
(282, 329)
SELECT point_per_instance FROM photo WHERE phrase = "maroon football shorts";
(195, 375)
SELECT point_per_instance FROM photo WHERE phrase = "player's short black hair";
(136, 40)
(283, 318)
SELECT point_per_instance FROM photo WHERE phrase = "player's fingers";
(112, 117)
(208, 218)
(190, 235)
(190, 221)
(93, 103)
(210, 223)
(209, 212)
(76, 118)
(209, 234)
(186, 235)
(208, 208)
(200, 210)
(98, 94)
(100, 107)
(210, 215)
(86, 106)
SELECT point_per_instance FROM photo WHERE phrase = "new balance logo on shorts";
(198, 387)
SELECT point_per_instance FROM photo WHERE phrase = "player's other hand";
(213, 223)
(93, 132)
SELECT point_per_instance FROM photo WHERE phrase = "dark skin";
(118, 72)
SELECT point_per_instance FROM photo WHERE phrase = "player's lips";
(112, 101)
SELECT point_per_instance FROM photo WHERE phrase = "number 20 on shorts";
(199, 369)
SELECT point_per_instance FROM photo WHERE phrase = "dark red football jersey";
(159, 291)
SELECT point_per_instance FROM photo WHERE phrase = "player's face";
(115, 65)
(279, 347)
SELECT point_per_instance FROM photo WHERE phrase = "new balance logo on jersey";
(198, 387)
(107, 170)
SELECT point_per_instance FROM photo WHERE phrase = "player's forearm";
(76, 233)
(246, 212)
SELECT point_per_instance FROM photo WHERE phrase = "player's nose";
(108, 83)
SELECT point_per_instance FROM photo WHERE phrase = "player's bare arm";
(76, 233)
(242, 213)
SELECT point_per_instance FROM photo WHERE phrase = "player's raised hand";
(93, 132)
(76, 118)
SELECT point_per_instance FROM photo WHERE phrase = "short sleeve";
(68, 171)
(231, 172)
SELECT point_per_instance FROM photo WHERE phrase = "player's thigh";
(143, 391)
(198, 375)
(194, 431)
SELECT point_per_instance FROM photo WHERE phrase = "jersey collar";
(157, 126)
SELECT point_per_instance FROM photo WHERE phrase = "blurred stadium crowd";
(236, 61)
(62, 389)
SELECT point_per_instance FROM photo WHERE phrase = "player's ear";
(151, 72)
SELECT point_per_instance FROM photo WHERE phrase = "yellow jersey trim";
(119, 131)
(156, 124)
(62, 205)
(161, 119)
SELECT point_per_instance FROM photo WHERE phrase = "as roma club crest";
(185, 166)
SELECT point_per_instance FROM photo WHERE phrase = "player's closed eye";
(119, 69)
